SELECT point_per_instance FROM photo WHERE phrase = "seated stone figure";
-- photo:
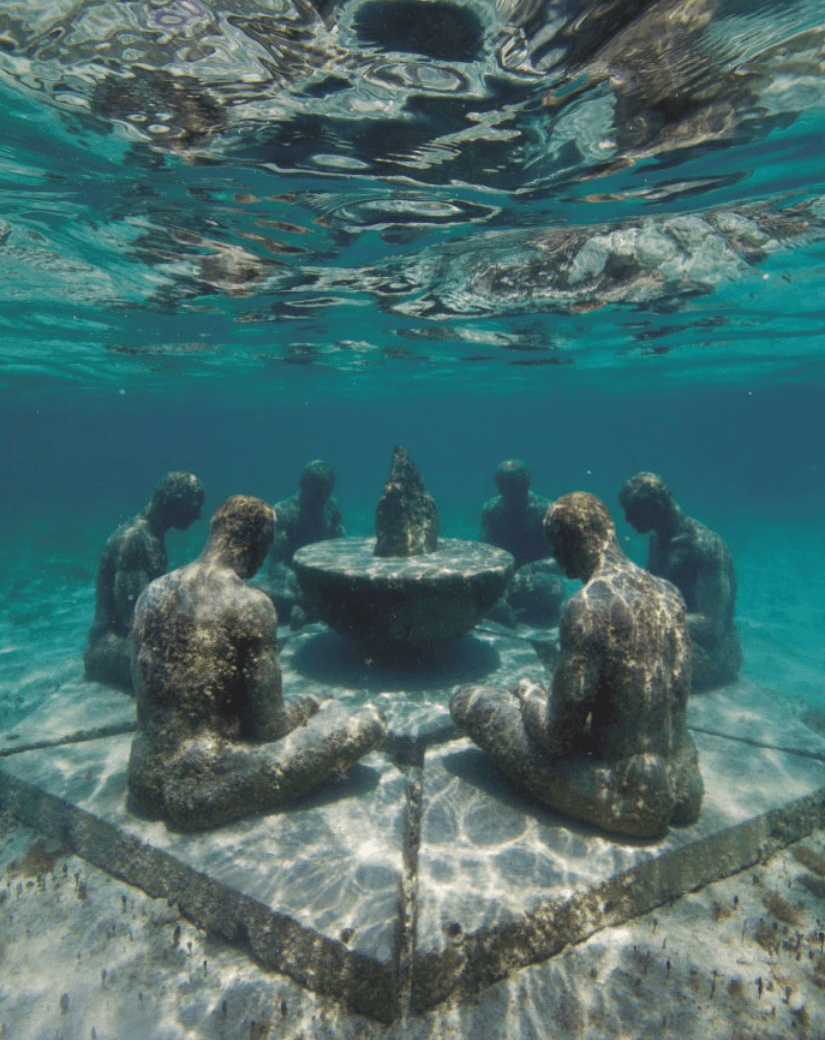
(609, 743)
(135, 555)
(310, 515)
(700, 565)
(215, 739)
(513, 519)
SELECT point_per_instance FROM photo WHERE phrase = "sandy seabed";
(83, 955)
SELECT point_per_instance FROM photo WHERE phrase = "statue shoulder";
(254, 612)
(286, 509)
(137, 542)
(697, 545)
(538, 504)
(492, 505)
(576, 614)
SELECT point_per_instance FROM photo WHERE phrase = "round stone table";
(393, 603)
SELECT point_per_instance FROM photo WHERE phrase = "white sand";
(83, 955)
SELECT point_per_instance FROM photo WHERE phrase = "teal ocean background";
(234, 240)
(589, 234)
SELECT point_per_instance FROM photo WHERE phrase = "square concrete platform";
(76, 710)
(418, 878)
(315, 891)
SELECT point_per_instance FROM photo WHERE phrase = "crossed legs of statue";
(638, 796)
(206, 781)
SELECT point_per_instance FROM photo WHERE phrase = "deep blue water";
(726, 449)
(233, 239)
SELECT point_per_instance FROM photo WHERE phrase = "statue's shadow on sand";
(333, 660)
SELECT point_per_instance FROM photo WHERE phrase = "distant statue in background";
(700, 565)
(215, 739)
(608, 744)
(135, 555)
(513, 521)
(310, 515)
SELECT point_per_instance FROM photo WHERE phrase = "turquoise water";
(236, 238)
(228, 251)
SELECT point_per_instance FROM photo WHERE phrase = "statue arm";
(336, 522)
(486, 528)
(712, 596)
(712, 592)
(655, 562)
(269, 717)
(575, 680)
(105, 614)
(138, 672)
(279, 553)
(134, 568)
(262, 675)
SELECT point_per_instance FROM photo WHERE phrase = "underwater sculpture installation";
(310, 515)
(135, 555)
(406, 589)
(608, 744)
(698, 562)
(513, 521)
(215, 739)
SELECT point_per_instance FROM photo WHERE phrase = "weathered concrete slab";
(316, 890)
(503, 883)
(76, 710)
(393, 891)
(414, 695)
(759, 713)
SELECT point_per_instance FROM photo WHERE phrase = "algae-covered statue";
(513, 519)
(608, 744)
(310, 515)
(700, 565)
(216, 740)
(135, 555)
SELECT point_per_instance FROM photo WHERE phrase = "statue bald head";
(647, 502)
(317, 481)
(241, 532)
(512, 480)
(177, 500)
(578, 528)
